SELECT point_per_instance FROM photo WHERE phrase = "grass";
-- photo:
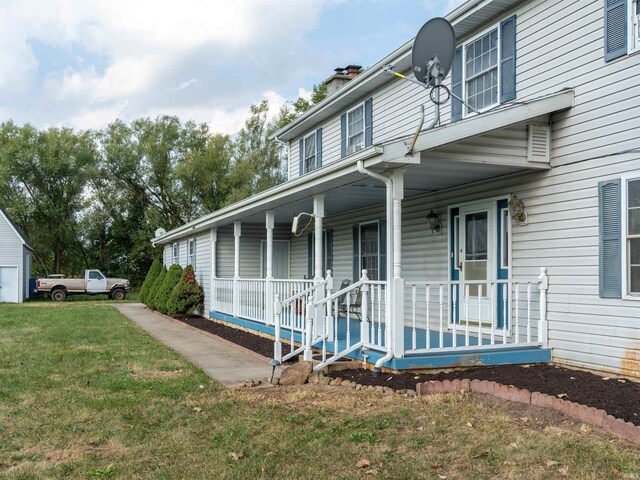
(85, 394)
(132, 296)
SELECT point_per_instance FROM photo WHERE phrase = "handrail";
(304, 292)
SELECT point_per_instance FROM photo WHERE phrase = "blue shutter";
(610, 239)
(310, 251)
(356, 253)
(456, 85)
(368, 122)
(319, 148)
(301, 162)
(343, 135)
(615, 29)
(382, 235)
(508, 59)
(329, 252)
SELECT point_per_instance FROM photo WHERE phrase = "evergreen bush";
(151, 296)
(152, 274)
(164, 291)
(187, 296)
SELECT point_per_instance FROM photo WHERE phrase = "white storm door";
(477, 260)
(96, 282)
(280, 259)
(8, 284)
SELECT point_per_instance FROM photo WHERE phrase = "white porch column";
(237, 230)
(268, 290)
(213, 239)
(318, 210)
(397, 177)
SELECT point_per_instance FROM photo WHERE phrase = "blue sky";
(84, 63)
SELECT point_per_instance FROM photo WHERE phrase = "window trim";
(175, 253)
(465, 111)
(191, 258)
(304, 152)
(633, 25)
(624, 180)
(364, 127)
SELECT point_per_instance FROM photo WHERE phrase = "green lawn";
(85, 394)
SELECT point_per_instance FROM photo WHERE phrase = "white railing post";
(308, 354)
(328, 317)
(364, 323)
(543, 286)
(213, 239)
(268, 286)
(237, 229)
(277, 311)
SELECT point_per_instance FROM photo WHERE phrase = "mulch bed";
(250, 341)
(617, 397)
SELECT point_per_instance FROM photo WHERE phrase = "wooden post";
(268, 288)
(277, 346)
(396, 285)
(364, 322)
(237, 231)
(213, 238)
(543, 286)
(308, 354)
(318, 211)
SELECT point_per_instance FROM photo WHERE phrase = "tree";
(153, 292)
(187, 296)
(166, 287)
(153, 273)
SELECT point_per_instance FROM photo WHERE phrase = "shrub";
(151, 296)
(188, 295)
(164, 291)
(153, 273)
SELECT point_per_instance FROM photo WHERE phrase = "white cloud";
(97, 117)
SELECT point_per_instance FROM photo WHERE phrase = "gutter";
(390, 262)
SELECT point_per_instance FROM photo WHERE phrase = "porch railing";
(471, 315)
(222, 295)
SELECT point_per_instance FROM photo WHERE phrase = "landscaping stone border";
(590, 415)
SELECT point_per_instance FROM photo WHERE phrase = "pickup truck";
(94, 283)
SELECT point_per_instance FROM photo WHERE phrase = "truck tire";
(58, 295)
(118, 294)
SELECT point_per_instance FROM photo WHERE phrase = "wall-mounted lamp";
(516, 209)
(433, 222)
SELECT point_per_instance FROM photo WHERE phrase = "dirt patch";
(251, 341)
(618, 397)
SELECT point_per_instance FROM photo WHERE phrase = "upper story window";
(192, 253)
(176, 253)
(621, 31)
(355, 129)
(483, 71)
(310, 154)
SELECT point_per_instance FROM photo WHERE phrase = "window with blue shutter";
(615, 29)
(343, 135)
(508, 59)
(356, 128)
(356, 253)
(456, 85)
(311, 152)
(368, 122)
(610, 239)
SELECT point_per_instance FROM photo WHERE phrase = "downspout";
(390, 254)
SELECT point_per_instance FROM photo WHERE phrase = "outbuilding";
(15, 261)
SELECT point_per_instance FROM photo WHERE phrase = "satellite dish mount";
(431, 59)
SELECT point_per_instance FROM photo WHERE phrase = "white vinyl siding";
(12, 255)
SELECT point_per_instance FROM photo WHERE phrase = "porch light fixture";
(433, 222)
(516, 209)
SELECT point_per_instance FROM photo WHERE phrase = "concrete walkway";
(226, 364)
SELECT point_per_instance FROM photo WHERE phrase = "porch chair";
(355, 307)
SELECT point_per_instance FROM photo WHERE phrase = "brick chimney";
(342, 76)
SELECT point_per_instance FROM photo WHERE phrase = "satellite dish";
(160, 232)
(433, 50)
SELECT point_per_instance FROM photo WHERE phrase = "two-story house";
(511, 235)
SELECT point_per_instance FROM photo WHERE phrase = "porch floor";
(513, 355)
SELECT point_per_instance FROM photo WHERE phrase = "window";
(621, 30)
(369, 250)
(93, 275)
(481, 71)
(176, 250)
(355, 130)
(309, 153)
(632, 234)
(192, 253)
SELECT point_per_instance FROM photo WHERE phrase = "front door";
(476, 260)
(280, 259)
